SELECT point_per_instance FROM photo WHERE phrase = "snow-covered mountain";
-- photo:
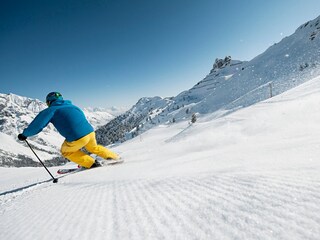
(100, 116)
(230, 85)
(16, 112)
(253, 174)
(127, 125)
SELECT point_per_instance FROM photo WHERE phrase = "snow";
(251, 173)
(101, 116)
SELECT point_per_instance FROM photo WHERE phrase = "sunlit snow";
(253, 174)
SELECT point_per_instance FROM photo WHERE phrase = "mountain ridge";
(230, 85)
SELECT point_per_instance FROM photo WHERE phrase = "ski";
(69, 170)
(111, 162)
(78, 169)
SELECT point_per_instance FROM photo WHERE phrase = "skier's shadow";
(45, 181)
(29, 186)
(23, 188)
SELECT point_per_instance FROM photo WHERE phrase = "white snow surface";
(251, 174)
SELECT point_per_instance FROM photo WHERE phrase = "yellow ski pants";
(72, 150)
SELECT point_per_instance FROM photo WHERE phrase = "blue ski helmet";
(53, 96)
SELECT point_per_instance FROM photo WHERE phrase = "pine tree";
(193, 118)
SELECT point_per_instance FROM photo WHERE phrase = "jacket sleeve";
(40, 121)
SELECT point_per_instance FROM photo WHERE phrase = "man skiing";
(72, 124)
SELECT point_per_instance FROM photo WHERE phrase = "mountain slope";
(127, 125)
(16, 113)
(233, 84)
(253, 174)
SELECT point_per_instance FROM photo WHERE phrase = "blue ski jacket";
(68, 119)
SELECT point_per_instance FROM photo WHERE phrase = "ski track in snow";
(220, 206)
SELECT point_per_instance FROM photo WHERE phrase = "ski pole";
(55, 180)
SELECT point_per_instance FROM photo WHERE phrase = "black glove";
(22, 137)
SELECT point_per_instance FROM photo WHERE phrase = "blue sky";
(112, 52)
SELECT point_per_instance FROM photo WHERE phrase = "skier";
(72, 124)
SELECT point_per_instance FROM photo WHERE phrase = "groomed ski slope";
(252, 174)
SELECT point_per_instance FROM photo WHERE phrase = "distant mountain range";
(230, 85)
